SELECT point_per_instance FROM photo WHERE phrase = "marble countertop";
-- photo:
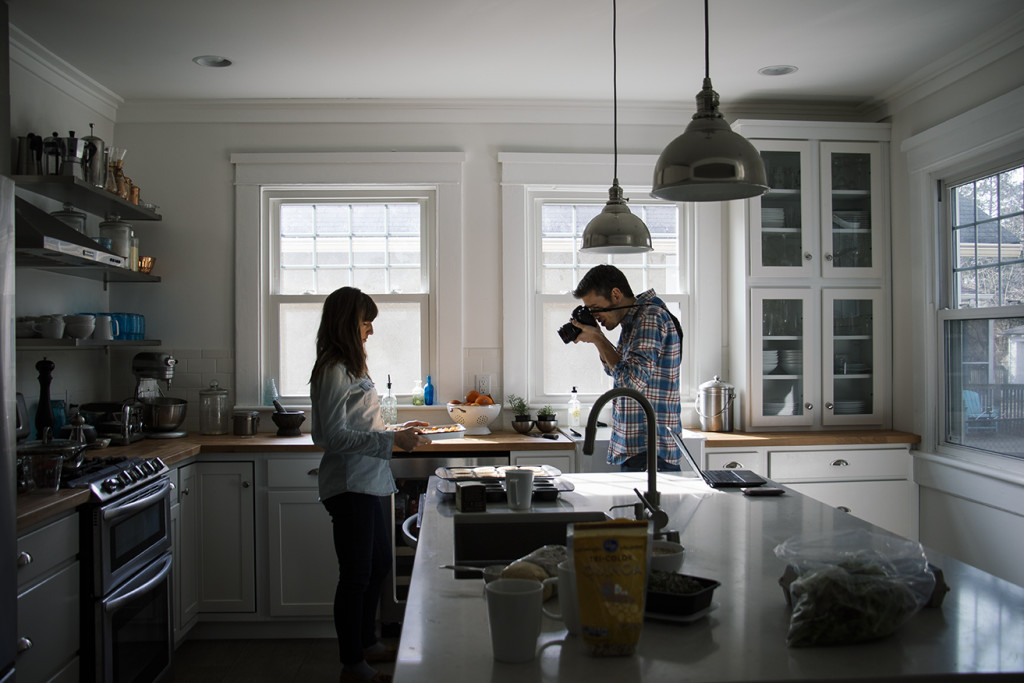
(728, 537)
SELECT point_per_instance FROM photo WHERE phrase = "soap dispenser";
(389, 407)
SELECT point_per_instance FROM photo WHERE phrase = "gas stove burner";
(165, 435)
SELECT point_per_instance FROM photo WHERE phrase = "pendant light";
(616, 230)
(708, 162)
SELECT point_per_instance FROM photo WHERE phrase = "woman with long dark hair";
(355, 478)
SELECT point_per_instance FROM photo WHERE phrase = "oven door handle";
(118, 511)
(116, 603)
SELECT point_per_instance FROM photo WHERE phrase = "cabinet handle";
(23, 644)
(828, 257)
(314, 472)
(807, 256)
(808, 406)
(734, 465)
(185, 491)
(828, 405)
(245, 484)
(840, 463)
(843, 508)
(173, 486)
(24, 559)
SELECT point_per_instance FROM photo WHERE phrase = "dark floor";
(260, 661)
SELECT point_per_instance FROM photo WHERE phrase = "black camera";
(581, 314)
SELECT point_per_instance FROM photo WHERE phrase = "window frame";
(530, 179)
(437, 172)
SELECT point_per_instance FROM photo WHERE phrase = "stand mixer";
(161, 415)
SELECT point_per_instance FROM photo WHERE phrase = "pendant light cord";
(615, 95)
(707, 50)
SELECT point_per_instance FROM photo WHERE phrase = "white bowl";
(666, 556)
(474, 418)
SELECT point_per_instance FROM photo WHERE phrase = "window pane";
(332, 219)
(296, 219)
(569, 365)
(393, 348)
(985, 384)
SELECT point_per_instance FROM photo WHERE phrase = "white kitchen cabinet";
(817, 358)
(226, 541)
(303, 571)
(185, 530)
(755, 460)
(49, 602)
(873, 483)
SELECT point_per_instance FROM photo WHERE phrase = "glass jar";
(213, 410)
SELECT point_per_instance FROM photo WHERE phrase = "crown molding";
(54, 71)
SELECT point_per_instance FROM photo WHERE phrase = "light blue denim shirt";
(346, 423)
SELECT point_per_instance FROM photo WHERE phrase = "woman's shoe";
(388, 654)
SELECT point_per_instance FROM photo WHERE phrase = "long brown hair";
(338, 340)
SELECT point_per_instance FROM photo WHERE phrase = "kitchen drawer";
(293, 472)
(883, 503)
(41, 551)
(48, 619)
(718, 459)
(839, 465)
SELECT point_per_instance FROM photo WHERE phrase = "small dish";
(681, 618)
(679, 604)
(452, 431)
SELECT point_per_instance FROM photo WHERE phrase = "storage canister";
(247, 422)
(213, 410)
(714, 405)
(119, 233)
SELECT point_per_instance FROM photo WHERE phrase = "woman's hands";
(407, 438)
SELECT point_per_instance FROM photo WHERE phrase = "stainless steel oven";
(411, 473)
(127, 629)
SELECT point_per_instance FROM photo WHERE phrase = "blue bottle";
(428, 393)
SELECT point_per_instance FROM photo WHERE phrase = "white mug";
(513, 614)
(519, 488)
(50, 327)
(568, 603)
(106, 328)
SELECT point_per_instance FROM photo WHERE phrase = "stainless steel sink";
(482, 539)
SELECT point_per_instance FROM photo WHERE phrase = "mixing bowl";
(163, 414)
(474, 418)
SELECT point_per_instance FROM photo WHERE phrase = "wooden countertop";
(35, 507)
(857, 437)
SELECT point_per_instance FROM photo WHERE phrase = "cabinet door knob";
(314, 472)
(843, 508)
(828, 257)
(828, 405)
(734, 465)
(245, 484)
(840, 463)
(185, 491)
(24, 559)
(23, 644)
(808, 406)
(808, 256)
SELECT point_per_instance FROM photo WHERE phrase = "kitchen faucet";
(652, 499)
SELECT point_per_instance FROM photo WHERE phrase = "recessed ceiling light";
(776, 70)
(211, 60)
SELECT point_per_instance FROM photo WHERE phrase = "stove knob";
(110, 485)
(139, 471)
(125, 478)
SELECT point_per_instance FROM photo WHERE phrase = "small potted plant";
(547, 421)
(521, 420)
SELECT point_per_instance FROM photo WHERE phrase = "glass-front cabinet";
(823, 214)
(818, 357)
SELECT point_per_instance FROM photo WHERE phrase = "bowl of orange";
(475, 413)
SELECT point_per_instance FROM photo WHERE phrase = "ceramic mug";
(50, 327)
(106, 328)
(519, 487)
(568, 605)
(513, 615)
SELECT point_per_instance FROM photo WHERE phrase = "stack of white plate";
(770, 360)
(772, 218)
(778, 409)
(849, 407)
(856, 368)
(851, 220)
(792, 361)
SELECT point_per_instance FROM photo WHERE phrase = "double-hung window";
(983, 320)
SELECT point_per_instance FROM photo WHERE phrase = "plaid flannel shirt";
(651, 351)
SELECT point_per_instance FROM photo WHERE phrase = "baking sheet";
(493, 473)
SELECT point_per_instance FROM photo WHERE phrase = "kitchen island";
(728, 537)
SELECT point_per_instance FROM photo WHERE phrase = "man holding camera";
(646, 358)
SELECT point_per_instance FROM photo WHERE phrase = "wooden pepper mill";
(44, 411)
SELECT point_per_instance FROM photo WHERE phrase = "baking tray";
(485, 474)
(544, 488)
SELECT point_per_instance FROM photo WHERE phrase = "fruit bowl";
(473, 417)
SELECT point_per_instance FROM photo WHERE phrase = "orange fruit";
(456, 401)
(472, 396)
(484, 400)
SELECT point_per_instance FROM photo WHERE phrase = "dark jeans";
(364, 561)
(638, 463)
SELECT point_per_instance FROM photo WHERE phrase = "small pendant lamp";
(616, 230)
(708, 162)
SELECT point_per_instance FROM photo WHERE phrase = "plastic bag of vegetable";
(853, 586)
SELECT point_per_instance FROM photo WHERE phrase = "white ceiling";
(849, 52)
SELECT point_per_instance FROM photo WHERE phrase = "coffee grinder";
(161, 415)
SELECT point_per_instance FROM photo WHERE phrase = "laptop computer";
(720, 479)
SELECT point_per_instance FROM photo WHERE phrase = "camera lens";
(568, 332)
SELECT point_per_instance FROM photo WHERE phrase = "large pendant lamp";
(616, 230)
(708, 162)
